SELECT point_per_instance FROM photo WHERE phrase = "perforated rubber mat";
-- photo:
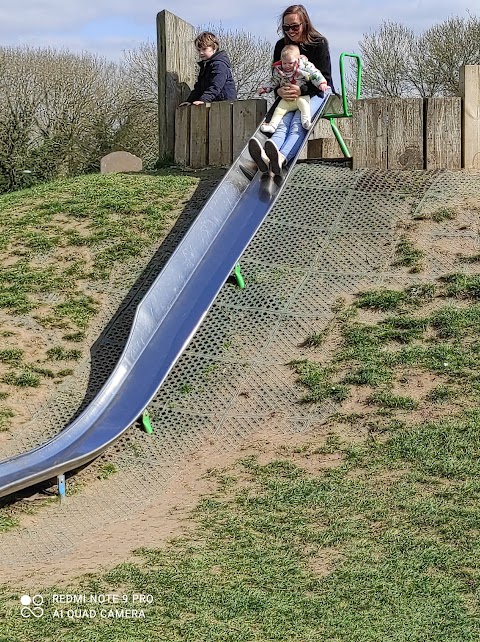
(332, 232)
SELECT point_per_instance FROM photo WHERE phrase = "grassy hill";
(365, 531)
(62, 245)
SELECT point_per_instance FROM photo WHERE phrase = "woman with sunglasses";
(297, 28)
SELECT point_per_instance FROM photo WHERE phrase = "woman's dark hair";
(309, 35)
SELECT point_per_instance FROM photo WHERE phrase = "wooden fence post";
(405, 133)
(247, 115)
(370, 133)
(443, 133)
(182, 136)
(470, 92)
(199, 135)
(220, 134)
(176, 74)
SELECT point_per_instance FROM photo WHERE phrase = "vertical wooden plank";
(247, 115)
(405, 133)
(315, 148)
(331, 148)
(470, 92)
(443, 133)
(345, 125)
(321, 130)
(176, 73)
(369, 133)
(220, 134)
(199, 135)
(182, 136)
(328, 146)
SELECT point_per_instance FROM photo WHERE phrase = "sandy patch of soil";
(168, 516)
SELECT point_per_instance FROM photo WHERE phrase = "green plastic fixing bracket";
(239, 277)
(146, 423)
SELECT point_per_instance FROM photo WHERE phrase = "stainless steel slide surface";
(165, 322)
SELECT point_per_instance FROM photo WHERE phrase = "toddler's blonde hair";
(290, 49)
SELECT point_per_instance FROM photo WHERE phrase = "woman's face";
(293, 26)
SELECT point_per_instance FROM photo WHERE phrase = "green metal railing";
(345, 113)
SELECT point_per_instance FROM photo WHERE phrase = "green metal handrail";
(345, 113)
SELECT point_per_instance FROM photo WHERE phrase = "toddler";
(292, 69)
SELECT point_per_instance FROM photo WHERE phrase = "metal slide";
(165, 322)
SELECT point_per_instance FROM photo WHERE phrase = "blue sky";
(108, 27)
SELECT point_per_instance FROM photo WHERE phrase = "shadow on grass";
(108, 347)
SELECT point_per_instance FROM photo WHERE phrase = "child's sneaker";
(277, 159)
(258, 155)
(267, 129)
(306, 123)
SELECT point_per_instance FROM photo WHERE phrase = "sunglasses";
(291, 27)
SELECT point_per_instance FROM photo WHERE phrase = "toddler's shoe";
(267, 129)
(258, 155)
(306, 123)
(277, 159)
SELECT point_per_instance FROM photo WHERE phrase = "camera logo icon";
(31, 606)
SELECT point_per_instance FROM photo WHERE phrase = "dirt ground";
(169, 516)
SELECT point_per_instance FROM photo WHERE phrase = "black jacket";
(215, 80)
(318, 54)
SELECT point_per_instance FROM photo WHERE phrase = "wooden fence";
(215, 134)
(411, 133)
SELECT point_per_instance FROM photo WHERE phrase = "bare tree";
(19, 101)
(448, 46)
(251, 57)
(58, 113)
(138, 127)
(386, 57)
(399, 63)
(78, 108)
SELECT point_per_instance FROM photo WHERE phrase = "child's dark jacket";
(215, 80)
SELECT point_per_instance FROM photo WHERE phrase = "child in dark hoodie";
(215, 80)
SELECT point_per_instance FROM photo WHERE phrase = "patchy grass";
(22, 379)
(315, 339)
(319, 382)
(384, 546)
(443, 214)
(408, 255)
(6, 414)
(106, 471)
(388, 300)
(110, 217)
(6, 523)
(11, 356)
(462, 286)
(386, 399)
(383, 356)
(59, 353)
